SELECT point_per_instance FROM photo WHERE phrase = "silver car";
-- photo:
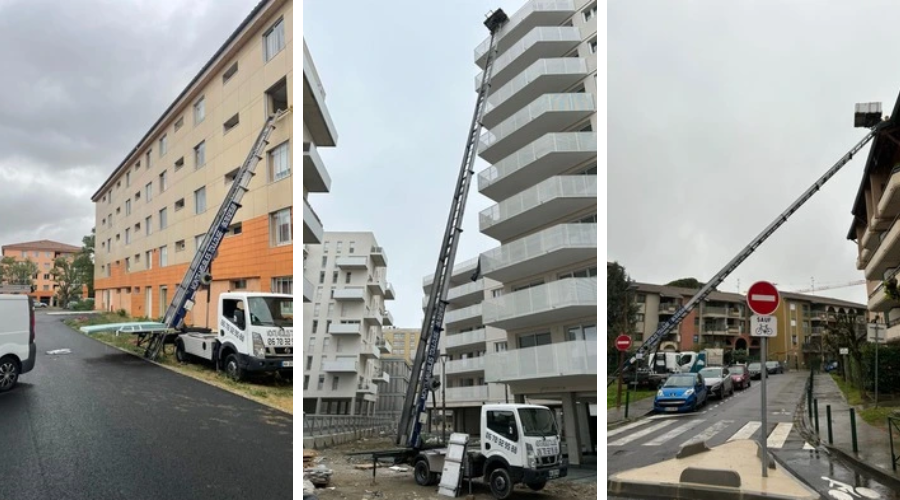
(718, 381)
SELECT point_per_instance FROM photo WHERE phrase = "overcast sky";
(720, 115)
(399, 78)
(82, 82)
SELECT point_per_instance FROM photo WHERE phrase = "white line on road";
(665, 438)
(779, 435)
(807, 446)
(625, 428)
(746, 431)
(708, 433)
(637, 435)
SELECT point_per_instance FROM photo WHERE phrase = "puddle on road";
(832, 478)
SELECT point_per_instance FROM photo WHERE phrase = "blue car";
(682, 392)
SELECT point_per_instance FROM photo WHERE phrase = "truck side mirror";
(240, 319)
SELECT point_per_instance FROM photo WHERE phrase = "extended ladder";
(197, 272)
(421, 381)
(655, 339)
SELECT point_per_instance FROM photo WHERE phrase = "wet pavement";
(833, 478)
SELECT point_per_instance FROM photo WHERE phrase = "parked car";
(774, 367)
(18, 351)
(682, 392)
(39, 305)
(718, 381)
(830, 367)
(755, 370)
(740, 376)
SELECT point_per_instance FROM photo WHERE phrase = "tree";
(621, 311)
(691, 283)
(18, 272)
(84, 263)
(68, 280)
(847, 331)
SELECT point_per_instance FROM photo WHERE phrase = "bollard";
(816, 412)
(853, 429)
(627, 398)
(809, 400)
(828, 421)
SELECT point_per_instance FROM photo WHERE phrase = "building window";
(163, 256)
(534, 339)
(199, 111)
(277, 97)
(231, 71)
(198, 241)
(163, 181)
(147, 158)
(148, 258)
(128, 236)
(582, 332)
(274, 41)
(317, 308)
(306, 382)
(179, 204)
(200, 155)
(280, 162)
(231, 123)
(500, 347)
(590, 12)
(200, 200)
(321, 383)
(127, 207)
(331, 309)
(127, 264)
(281, 227)
(339, 244)
(148, 192)
(238, 284)
(179, 123)
(163, 219)
(179, 245)
(321, 277)
(235, 229)
(231, 176)
(347, 278)
(163, 145)
(592, 46)
(147, 225)
(127, 179)
(179, 163)
(284, 284)
(335, 380)
(334, 277)
(324, 261)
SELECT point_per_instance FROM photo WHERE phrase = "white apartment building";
(318, 131)
(541, 140)
(342, 324)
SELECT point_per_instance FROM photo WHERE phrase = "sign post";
(623, 343)
(763, 299)
(844, 351)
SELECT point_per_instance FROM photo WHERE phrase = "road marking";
(708, 433)
(625, 428)
(779, 435)
(807, 446)
(673, 433)
(637, 435)
(746, 431)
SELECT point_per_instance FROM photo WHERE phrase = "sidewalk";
(636, 409)
(873, 444)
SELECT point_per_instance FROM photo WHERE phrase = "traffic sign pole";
(763, 371)
(623, 343)
(763, 299)
(619, 384)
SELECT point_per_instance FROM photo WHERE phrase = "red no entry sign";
(763, 298)
(623, 342)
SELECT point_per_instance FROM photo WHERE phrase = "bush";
(122, 313)
(889, 367)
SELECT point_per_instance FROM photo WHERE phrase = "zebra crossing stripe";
(746, 431)
(673, 433)
(709, 432)
(625, 428)
(637, 435)
(807, 446)
(779, 435)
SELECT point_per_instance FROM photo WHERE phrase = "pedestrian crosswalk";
(779, 435)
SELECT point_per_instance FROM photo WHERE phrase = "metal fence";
(328, 425)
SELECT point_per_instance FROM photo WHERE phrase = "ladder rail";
(664, 329)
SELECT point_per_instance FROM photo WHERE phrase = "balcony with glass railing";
(532, 14)
(472, 338)
(550, 155)
(341, 365)
(356, 293)
(552, 248)
(308, 290)
(541, 42)
(315, 175)
(547, 112)
(555, 302)
(387, 319)
(313, 232)
(352, 262)
(539, 205)
(384, 378)
(367, 350)
(378, 256)
(468, 365)
(544, 76)
(460, 318)
(372, 316)
(562, 362)
(475, 393)
(465, 295)
(345, 329)
(316, 118)
(462, 272)
(384, 346)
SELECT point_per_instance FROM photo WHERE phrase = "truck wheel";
(233, 369)
(180, 353)
(424, 476)
(501, 484)
(538, 486)
(9, 373)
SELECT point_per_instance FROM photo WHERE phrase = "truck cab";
(255, 334)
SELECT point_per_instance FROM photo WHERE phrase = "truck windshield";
(271, 311)
(538, 422)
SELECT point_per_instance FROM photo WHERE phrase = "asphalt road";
(99, 423)
(658, 438)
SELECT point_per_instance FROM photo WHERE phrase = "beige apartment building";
(342, 325)
(157, 205)
(405, 341)
(43, 254)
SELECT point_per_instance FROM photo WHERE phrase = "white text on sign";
(763, 326)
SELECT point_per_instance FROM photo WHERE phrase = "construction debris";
(318, 475)
(308, 458)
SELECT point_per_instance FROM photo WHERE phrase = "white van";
(17, 349)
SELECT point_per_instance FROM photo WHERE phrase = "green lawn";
(872, 415)
(635, 395)
(853, 395)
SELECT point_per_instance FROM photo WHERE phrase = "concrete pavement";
(636, 409)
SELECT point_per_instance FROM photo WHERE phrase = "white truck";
(17, 347)
(519, 443)
(259, 342)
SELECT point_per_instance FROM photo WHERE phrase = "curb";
(686, 491)
(619, 423)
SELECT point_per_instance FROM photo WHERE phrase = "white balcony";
(532, 14)
(472, 338)
(461, 318)
(553, 248)
(475, 393)
(887, 255)
(555, 302)
(863, 259)
(315, 176)
(542, 42)
(372, 317)
(341, 365)
(547, 112)
(870, 239)
(573, 360)
(365, 388)
(461, 274)
(389, 291)
(350, 293)
(550, 155)
(308, 290)
(545, 76)
(459, 366)
(385, 378)
(369, 351)
(387, 319)
(354, 262)
(539, 205)
(378, 256)
(464, 295)
(879, 301)
(345, 329)
(384, 346)
(315, 114)
(313, 232)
